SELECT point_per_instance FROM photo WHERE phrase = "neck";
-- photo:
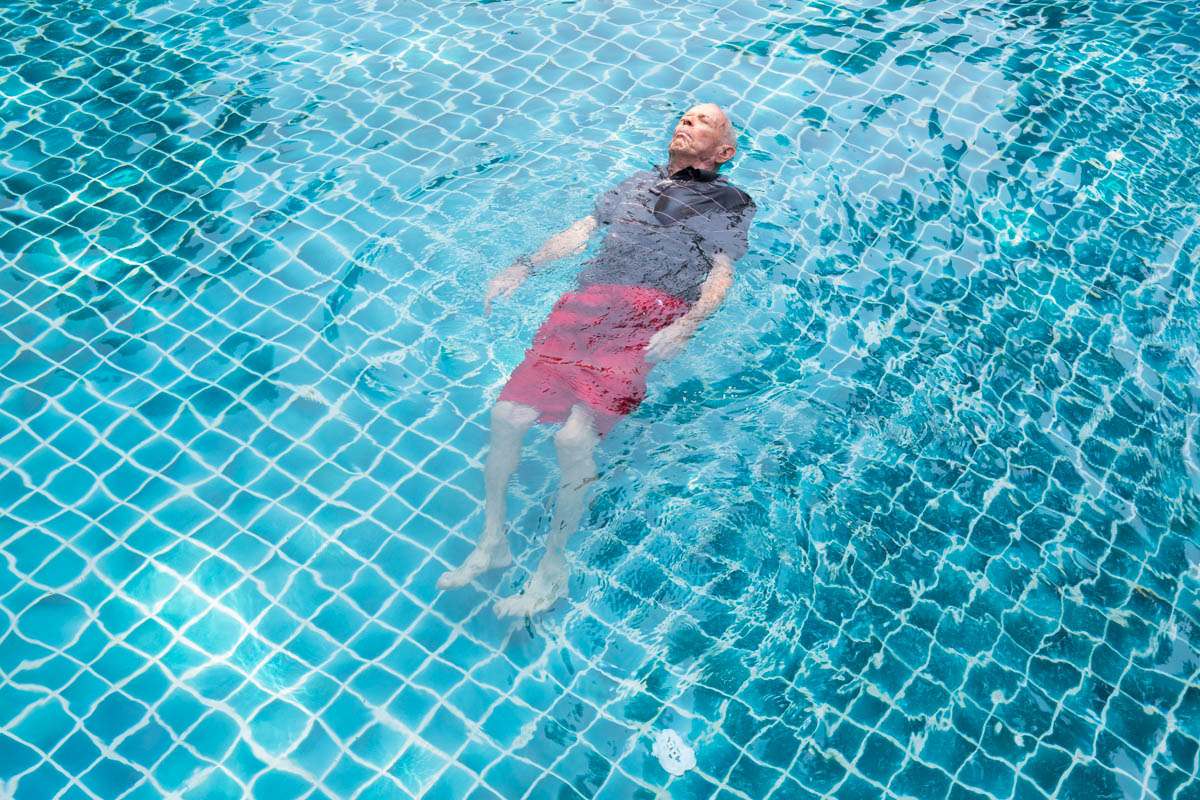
(676, 163)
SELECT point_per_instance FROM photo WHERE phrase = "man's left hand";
(669, 342)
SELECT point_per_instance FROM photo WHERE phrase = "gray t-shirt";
(662, 231)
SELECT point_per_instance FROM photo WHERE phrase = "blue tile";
(217, 682)
(243, 763)
(316, 692)
(277, 785)
(453, 784)
(213, 735)
(53, 674)
(111, 778)
(348, 776)
(77, 754)
(45, 781)
(43, 726)
(16, 757)
(317, 752)
(278, 726)
(379, 745)
(372, 641)
(446, 730)
(347, 716)
(217, 786)
(416, 767)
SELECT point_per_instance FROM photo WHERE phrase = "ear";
(724, 153)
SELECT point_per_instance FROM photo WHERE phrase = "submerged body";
(662, 230)
(661, 233)
(591, 350)
(671, 236)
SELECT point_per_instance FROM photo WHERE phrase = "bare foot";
(548, 584)
(483, 558)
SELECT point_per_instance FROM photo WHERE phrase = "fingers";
(493, 291)
(498, 289)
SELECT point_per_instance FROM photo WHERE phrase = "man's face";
(700, 134)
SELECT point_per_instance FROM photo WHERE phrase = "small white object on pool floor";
(674, 755)
(1115, 155)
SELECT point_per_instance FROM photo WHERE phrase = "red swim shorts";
(591, 349)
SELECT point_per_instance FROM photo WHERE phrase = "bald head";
(704, 138)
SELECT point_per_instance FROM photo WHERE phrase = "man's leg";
(575, 443)
(510, 421)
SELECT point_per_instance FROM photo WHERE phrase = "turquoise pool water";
(916, 515)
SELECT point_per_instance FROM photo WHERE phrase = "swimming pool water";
(916, 515)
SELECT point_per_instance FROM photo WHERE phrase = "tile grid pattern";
(246, 407)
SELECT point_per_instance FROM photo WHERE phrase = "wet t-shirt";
(662, 231)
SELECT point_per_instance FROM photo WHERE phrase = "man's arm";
(669, 342)
(712, 292)
(727, 243)
(562, 244)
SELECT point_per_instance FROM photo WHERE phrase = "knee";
(507, 415)
(575, 439)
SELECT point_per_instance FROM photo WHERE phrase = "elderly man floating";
(672, 236)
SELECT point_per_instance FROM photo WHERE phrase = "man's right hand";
(564, 243)
(503, 284)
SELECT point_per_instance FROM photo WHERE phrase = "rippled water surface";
(916, 515)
